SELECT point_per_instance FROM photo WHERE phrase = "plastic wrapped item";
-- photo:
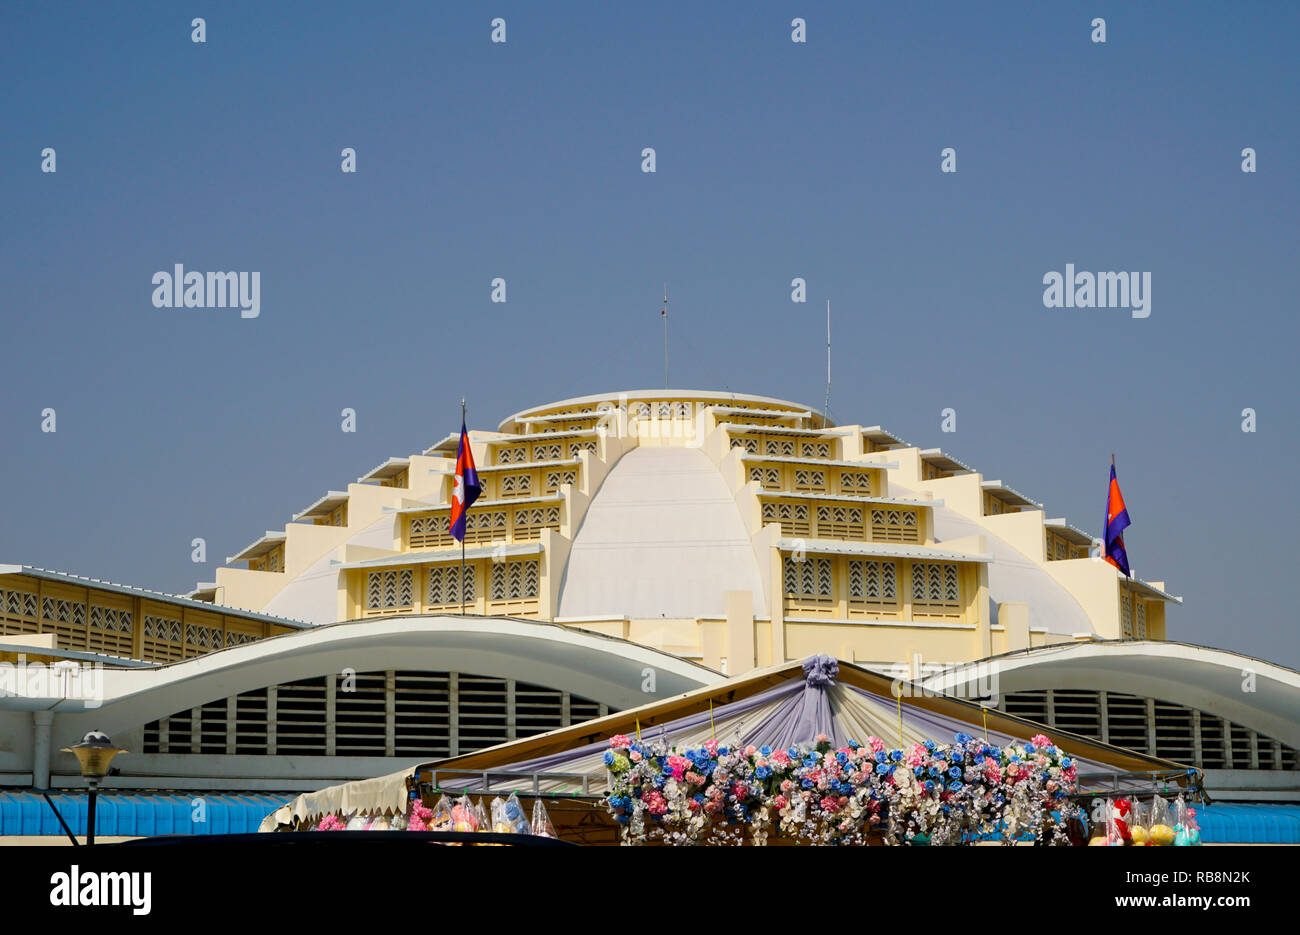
(1139, 826)
(508, 816)
(541, 823)
(463, 815)
(442, 819)
(1117, 830)
(1187, 833)
(1161, 830)
(357, 822)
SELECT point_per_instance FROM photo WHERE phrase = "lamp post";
(94, 753)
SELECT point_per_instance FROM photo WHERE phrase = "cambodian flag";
(466, 487)
(1116, 522)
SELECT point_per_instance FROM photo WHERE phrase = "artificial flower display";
(928, 793)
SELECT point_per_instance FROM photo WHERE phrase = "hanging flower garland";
(929, 793)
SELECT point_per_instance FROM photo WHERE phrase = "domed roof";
(662, 538)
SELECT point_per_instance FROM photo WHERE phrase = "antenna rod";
(664, 315)
(826, 410)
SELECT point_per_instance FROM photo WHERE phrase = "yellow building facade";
(736, 531)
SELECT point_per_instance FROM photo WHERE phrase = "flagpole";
(462, 538)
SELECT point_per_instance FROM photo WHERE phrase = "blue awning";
(1249, 823)
(125, 814)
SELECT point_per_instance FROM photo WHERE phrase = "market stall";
(815, 752)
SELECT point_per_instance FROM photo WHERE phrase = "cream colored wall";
(1023, 531)
(1095, 585)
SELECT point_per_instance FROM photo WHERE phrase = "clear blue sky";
(775, 160)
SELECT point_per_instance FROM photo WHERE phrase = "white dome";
(662, 538)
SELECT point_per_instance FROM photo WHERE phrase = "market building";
(626, 548)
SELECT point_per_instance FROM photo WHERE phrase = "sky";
(773, 160)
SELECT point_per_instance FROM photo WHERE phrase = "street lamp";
(94, 753)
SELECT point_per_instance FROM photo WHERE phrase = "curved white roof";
(603, 668)
(1260, 695)
(663, 537)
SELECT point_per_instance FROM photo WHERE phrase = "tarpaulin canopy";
(133, 814)
(780, 706)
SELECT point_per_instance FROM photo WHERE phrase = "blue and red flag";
(465, 485)
(1116, 522)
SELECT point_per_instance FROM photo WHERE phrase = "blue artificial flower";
(956, 757)
(929, 745)
(917, 771)
(762, 772)
(766, 751)
(807, 783)
(842, 757)
(1015, 759)
(954, 786)
(882, 769)
(1067, 762)
(963, 738)
(854, 744)
(880, 757)
(897, 756)
(1029, 749)
(929, 785)
(723, 751)
(955, 773)
(934, 771)
(609, 758)
(699, 798)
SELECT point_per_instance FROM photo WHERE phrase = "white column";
(42, 725)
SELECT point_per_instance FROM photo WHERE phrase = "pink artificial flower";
(619, 742)
(822, 738)
(876, 744)
(1041, 760)
(655, 802)
(712, 747)
(786, 785)
(751, 750)
(635, 756)
(678, 765)
(830, 804)
(1040, 740)
(693, 805)
(781, 758)
(694, 778)
(780, 802)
